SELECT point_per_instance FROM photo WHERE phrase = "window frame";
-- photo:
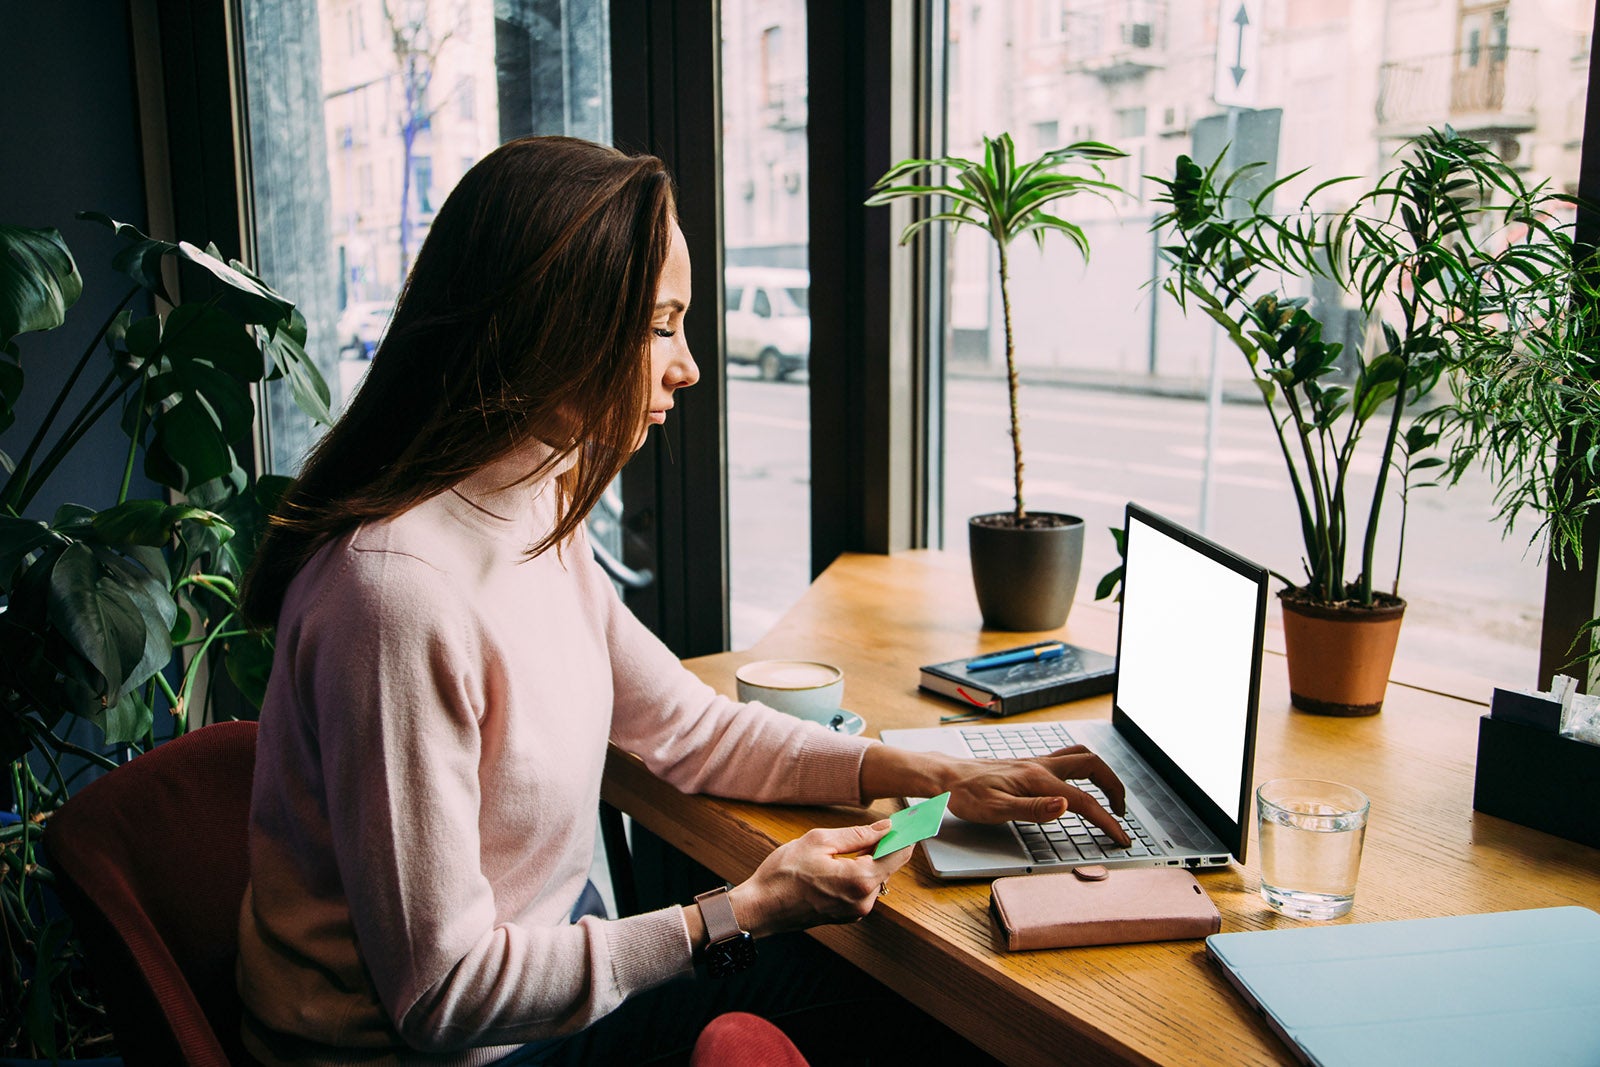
(877, 385)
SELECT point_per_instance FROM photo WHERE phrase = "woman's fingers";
(1079, 763)
(827, 875)
(1089, 808)
(844, 840)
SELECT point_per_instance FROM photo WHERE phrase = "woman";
(451, 662)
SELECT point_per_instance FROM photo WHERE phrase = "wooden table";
(879, 617)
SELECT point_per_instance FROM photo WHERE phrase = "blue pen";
(1055, 650)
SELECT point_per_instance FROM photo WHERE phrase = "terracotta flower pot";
(1339, 657)
(1025, 577)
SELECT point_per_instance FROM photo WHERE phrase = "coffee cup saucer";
(850, 723)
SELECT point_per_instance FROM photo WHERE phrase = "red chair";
(152, 865)
(738, 1039)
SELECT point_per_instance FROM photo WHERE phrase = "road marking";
(1158, 426)
(1155, 470)
(1067, 491)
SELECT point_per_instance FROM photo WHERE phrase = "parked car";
(361, 325)
(769, 319)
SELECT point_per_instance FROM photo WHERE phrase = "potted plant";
(114, 614)
(1526, 406)
(1426, 254)
(1025, 563)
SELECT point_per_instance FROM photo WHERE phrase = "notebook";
(1182, 731)
(1035, 683)
(1509, 987)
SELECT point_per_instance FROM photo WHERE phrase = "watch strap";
(716, 912)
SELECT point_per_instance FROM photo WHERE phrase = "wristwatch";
(729, 949)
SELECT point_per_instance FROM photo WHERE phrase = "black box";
(1539, 779)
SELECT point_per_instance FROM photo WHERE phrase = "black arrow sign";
(1241, 20)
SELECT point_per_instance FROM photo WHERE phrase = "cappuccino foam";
(788, 675)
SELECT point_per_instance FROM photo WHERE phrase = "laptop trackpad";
(972, 846)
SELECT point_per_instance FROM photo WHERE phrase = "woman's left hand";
(1037, 789)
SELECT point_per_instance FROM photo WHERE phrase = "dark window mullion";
(1572, 593)
(869, 84)
(666, 100)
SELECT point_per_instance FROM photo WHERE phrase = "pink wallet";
(1094, 906)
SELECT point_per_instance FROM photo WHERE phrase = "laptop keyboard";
(1071, 838)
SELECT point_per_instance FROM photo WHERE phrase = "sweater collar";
(505, 495)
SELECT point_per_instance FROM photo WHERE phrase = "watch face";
(730, 955)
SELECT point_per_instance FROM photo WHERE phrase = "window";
(771, 64)
(1046, 135)
(767, 326)
(340, 215)
(422, 181)
(1130, 122)
(1113, 374)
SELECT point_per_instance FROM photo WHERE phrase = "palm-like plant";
(1006, 200)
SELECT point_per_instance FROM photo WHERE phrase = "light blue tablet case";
(1511, 987)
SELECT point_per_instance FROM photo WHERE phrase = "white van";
(769, 319)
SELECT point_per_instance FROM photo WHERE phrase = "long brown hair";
(526, 316)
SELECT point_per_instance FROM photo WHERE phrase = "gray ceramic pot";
(1025, 577)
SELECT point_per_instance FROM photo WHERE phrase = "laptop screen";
(1189, 663)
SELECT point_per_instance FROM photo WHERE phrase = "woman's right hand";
(826, 876)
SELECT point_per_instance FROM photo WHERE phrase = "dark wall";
(69, 141)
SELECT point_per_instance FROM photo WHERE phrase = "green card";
(910, 825)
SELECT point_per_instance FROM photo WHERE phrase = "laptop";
(1182, 730)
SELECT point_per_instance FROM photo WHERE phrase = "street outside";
(1474, 600)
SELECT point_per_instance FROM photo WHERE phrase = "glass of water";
(1310, 833)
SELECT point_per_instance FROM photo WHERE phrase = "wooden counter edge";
(885, 945)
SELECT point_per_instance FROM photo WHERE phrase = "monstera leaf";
(241, 293)
(38, 283)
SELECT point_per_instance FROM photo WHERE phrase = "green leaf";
(38, 281)
(241, 293)
(11, 382)
(141, 258)
(128, 720)
(49, 964)
(18, 539)
(99, 620)
(1108, 583)
(249, 662)
(286, 354)
(204, 332)
(143, 337)
(150, 522)
(189, 447)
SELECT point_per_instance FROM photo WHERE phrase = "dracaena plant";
(115, 608)
(1006, 199)
(1428, 254)
(1526, 407)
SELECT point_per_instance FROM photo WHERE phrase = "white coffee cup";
(803, 688)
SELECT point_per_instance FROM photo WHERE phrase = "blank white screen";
(1183, 666)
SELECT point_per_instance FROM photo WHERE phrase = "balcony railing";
(1486, 88)
(1117, 38)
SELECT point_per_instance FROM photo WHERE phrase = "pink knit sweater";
(427, 780)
